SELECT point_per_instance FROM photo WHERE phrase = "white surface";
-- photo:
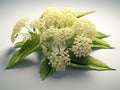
(26, 77)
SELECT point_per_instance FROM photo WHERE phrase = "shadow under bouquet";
(64, 39)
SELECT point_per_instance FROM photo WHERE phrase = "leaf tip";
(7, 67)
(112, 69)
(43, 79)
(110, 47)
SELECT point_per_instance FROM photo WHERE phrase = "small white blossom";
(48, 34)
(70, 11)
(67, 20)
(69, 16)
(85, 27)
(59, 60)
(63, 34)
(51, 16)
(59, 18)
(81, 46)
(37, 23)
(59, 36)
(17, 28)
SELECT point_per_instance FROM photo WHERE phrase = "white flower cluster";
(85, 28)
(81, 46)
(62, 25)
(59, 36)
(59, 60)
(55, 28)
(69, 16)
(38, 24)
(63, 34)
(51, 16)
(48, 34)
(58, 18)
(17, 28)
(70, 11)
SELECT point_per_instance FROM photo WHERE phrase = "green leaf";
(101, 47)
(26, 49)
(29, 46)
(45, 69)
(99, 43)
(90, 63)
(101, 35)
(19, 44)
(84, 13)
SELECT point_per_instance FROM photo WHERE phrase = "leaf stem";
(58, 48)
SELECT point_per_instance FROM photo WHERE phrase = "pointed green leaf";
(34, 35)
(101, 47)
(90, 67)
(101, 35)
(26, 49)
(45, 69)
(84, 13)
(99, 43)
(90, 63)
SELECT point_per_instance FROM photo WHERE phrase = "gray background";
(26, 76)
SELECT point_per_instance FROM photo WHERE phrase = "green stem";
(28, 28)
(47, 46)
(58, 48)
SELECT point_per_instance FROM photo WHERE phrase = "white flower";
(61, 35)
(48, 34)
(81, 46)
(37, 23)
(59, 60)
(59, 18)
(51, 16)
(85, 27)
(69, 16)
(67, 20)
(17, 28)
(70, 11)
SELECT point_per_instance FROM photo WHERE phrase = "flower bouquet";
(63, 38)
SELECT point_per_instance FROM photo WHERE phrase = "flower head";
(51, 16)
(59, 36)
(69, 16)
(38, 24)
(81, 46)
(59, 18)
(70, 11)
(48, 34)
(17, 28)
(63, 34)
(59, 60)
(85, 27)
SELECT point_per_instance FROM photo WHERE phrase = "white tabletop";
(26, 76)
